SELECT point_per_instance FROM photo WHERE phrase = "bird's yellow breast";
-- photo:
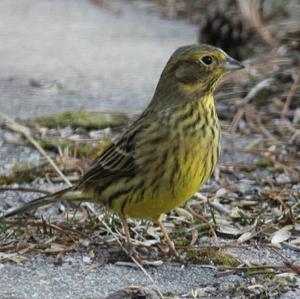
(182, 163)
(174, 189)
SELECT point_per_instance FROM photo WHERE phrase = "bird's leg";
(168, 240)
(130, 247)
(127, 234)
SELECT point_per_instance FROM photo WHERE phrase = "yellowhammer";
(164, 157)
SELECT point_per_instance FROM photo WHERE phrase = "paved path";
(58, 54)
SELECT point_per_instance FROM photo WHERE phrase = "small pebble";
(87, 260)
(84, 242)
(283, 179)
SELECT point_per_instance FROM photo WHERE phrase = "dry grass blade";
(266, 83)
(255, 234)
(283, 267)
(202, 218)
(265, 131)
(291, 94)
(14, 126)
(39, 223)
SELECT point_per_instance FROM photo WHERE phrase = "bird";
(167, 154)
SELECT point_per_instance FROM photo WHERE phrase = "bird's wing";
(117, 160)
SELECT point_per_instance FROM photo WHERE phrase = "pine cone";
(232, 34)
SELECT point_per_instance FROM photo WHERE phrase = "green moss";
(263, 163)
(266, 273)
(241, 166)
(180, 238)
(3, 226)
(16, 179)
(79, 119)
(83, 150)
(21, 173)
(212, 256)
(21, 166)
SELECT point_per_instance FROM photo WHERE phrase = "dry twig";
(14, 126)
(290, 95)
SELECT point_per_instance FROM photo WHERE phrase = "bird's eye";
(207, 60)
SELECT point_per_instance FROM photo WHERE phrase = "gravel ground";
(78, 278)
(41, 277)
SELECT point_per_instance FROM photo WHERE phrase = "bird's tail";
(42, 201)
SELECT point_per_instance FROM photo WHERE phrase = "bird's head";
(195, 70)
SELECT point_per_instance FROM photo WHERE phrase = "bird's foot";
(174, 252)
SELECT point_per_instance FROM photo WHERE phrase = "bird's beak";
(231, 64)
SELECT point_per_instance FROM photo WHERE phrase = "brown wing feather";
(117, 160)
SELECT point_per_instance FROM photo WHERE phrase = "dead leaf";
(245, 237)
(282, 235)
(184, 213)
(13, 257)
(229, 230)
